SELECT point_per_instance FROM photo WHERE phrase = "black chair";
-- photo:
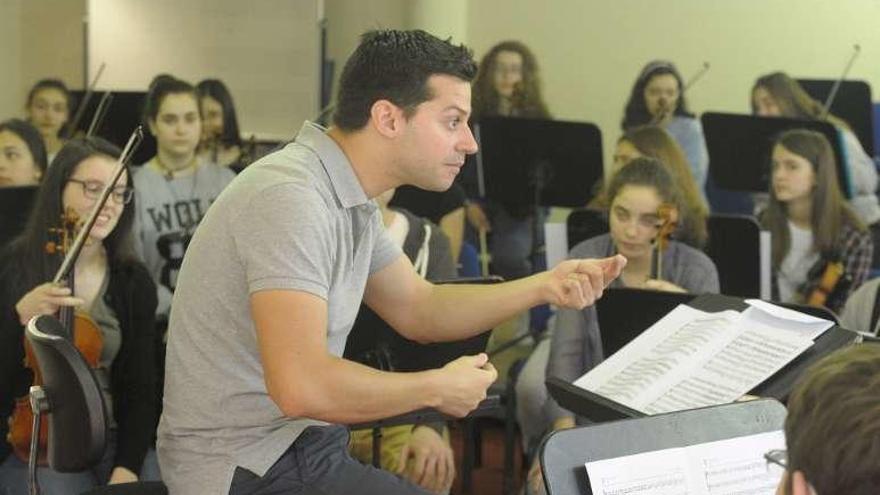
(735, 247)
(565, 452)
(77, 415)
(585, 223)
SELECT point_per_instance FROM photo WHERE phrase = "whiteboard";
(266, 51)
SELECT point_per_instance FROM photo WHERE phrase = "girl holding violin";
(821, 251)
(655, 142)
(641, 194)
(657, 98)
(114, 298)
(778, 95)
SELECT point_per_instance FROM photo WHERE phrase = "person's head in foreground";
(833, 427)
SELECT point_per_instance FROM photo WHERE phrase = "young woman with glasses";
(111, 286)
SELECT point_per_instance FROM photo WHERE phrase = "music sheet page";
(691, 358)
(726, 467)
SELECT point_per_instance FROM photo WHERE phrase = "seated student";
(832, 430)
(654, 142)
(636, 192)
(48, 109)
(422, 453)
(813, 230)
(22, 154)
(221, 139)
(174, 188)
(507, 85)
(778, 95)
(112, 287)
(657, 98)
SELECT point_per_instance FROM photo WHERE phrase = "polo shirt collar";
(342, 177)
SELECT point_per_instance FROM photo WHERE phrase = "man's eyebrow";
(456, 107)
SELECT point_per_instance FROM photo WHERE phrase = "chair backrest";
(625, 313)
(77, 416)
(565, 452)
(735, 248)
(585, 223)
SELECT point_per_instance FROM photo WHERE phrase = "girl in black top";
(111, 285)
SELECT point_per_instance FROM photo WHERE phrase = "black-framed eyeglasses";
(92, 189)
(777, 461)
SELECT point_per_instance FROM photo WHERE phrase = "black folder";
(597, 408)
(740, 148)
(15, 207)
(564, 453)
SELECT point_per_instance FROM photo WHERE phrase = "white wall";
(590, 51)
(267, 52)
(348, 19)
(10, 58)
(38, 39)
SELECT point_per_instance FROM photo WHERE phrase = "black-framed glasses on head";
(777, 461)
(92, 190)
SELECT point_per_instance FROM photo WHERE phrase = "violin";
(668, 214)
(86, 336)
(828, 282)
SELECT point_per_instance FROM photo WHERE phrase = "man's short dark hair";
(833, 423)
(395, 66)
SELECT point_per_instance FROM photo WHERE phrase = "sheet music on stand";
(693, 358)
(729, 466)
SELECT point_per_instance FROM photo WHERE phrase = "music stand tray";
(600, 409)
(565, 452)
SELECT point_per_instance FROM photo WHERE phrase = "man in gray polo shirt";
(255, 389)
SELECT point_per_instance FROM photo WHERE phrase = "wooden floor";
(487, 478)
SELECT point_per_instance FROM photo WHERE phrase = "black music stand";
(597, 408)
(124, 113)
(526, 164)
(565, 452)
(585, 223)
(735, 248)
(529, 163)
(852, 103)
(15, 207)
(740, 148)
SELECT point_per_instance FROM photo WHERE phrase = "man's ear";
(151, 125)
(800, 485)
(387, 118)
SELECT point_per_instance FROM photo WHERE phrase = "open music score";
(691, 358)
(724, 467)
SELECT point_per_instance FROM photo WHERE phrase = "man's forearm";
(455, 312)
(346, 392)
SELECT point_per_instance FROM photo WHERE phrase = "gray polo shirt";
(297, 219)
